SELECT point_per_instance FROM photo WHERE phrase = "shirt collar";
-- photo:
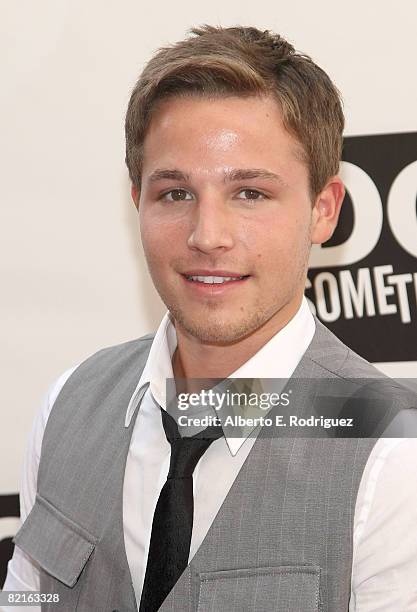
(158, 367)
(278, 358)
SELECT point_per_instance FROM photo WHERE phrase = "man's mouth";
(213, 280)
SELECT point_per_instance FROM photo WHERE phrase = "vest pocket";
(55, 542)
(261, 589)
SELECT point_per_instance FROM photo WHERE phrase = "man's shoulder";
(113, 360)
(130, 348)
(118, 365)
(332, 359)
(328, 352)
(129, 345)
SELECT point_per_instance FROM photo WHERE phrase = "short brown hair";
(243, 61)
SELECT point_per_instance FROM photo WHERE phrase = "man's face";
(225, 194)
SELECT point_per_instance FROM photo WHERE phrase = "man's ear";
(326, 210)
(135, 193)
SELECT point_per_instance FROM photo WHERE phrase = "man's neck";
(196, 359)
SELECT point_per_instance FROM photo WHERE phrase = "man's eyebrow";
(244, 174)
(172, 175)
(231, 175)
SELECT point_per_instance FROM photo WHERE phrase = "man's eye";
(250, 194)
(176, 195)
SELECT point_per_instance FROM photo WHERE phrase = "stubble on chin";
(213, 327)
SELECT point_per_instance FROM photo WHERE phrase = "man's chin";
(220, 333)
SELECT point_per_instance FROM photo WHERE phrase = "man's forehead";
(224, 112)
(241, 134)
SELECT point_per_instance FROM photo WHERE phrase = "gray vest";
(282, 540)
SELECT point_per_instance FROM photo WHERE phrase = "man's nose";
(212, 226)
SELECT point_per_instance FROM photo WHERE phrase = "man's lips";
(213, 282)
(213, 277)
(206, 272)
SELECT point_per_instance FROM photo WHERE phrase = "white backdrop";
(73, 277)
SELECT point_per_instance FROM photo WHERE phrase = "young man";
(233, 149)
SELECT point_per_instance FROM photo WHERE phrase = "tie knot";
(186, 451)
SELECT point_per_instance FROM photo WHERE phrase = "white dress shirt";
(384, 573)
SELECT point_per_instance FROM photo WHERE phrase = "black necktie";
(173, 518)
